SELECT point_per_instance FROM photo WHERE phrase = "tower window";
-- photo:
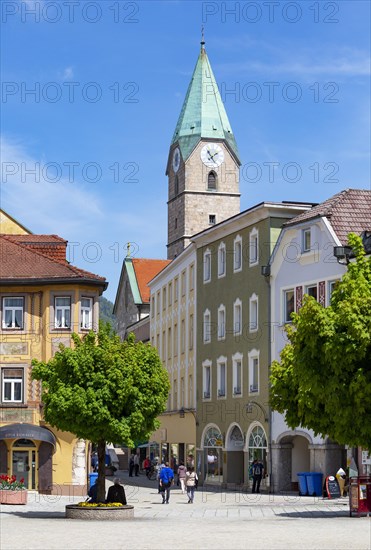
(176, 223)
(212, 219)
(176, 186)
(211, 181)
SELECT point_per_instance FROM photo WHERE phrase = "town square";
(185, 274)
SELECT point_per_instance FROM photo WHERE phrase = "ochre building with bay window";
(43, 299)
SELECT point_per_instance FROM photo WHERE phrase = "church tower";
(203, 164)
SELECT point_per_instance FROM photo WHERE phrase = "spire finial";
(128, 250)
(202, 39)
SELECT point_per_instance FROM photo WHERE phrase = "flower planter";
(7, 496)
(99, 513)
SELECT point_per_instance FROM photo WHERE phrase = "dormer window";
(211, 181)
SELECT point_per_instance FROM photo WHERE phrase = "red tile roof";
(22, 264)
(347, 211)
(145, 270)
(50, 245)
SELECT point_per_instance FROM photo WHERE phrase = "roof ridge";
(31, 251)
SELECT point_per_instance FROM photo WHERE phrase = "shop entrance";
(24, 456)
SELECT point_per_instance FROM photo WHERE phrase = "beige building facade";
(173, 322)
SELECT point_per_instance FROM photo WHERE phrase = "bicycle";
(151, 473)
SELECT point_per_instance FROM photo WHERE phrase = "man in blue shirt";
(166, 481)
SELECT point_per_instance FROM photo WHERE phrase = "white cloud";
(28, 192)
(68, 73)
(345, 63)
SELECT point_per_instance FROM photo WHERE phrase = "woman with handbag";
(191, 484)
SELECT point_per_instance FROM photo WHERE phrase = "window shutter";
(299, 297)
(322, 293)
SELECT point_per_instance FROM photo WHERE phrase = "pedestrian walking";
(136, 464)
(257, 474)
(182, 472)
(146, 465)
(159, 468)
(191, 484)
(131, 465)
(166, 481)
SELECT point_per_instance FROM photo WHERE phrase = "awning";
(27, 431)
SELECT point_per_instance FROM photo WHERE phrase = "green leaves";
(323, 381)
(104, 389)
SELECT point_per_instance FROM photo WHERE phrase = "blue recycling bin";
(303, 487)
(314, 483)
(92, 478)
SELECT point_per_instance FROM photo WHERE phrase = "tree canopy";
(103, 389)
(323, 381)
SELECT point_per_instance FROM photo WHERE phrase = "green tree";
(323, 381)
(104, 390)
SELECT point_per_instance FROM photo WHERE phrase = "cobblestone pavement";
(216, 520)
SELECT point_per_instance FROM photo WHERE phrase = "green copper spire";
(203, 114)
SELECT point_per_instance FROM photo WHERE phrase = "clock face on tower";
(176, 159)
(212, 155)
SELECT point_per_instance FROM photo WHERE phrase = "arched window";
(258, 445)
(213, 455)
(211, 181)
(176, 186)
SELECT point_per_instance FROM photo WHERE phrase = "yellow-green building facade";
(43, 299)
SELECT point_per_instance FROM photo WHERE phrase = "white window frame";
(158, 298)
(254, 364)
(254, 313)
(175, 394)
(237, 254)
(170, 294)
(330, 289)
(305, 246)
(12, 382)
(86, 313)
(164, 292)
(237, 359)
(287, 318)
(183, 282)
(207, 265)
(222, 260)
(191, 276)
(221, 322)
(12, 309)
(207, 327)
(309, 287)
(237, 317)
(254, 247)
(206, 380)
(221, 364)
(63, 309)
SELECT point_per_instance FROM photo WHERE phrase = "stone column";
(281, 467)
(79, 463)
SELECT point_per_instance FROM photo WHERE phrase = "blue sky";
(84, 155)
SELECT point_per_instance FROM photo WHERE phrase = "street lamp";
(342, 254)
(249, 407)
(182, 412)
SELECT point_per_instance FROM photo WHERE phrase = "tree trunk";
(101, 471)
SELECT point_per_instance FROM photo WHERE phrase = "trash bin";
(303, 487)
(92, 478)
(314, 483)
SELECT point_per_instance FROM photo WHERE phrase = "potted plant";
(12, 491)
